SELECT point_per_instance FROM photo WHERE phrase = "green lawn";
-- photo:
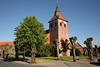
(65, 58)
(55, 58)
(82, 57)
(20, 56)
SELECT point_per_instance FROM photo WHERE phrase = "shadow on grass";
(14, 59)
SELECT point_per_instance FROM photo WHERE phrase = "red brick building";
(58, 31)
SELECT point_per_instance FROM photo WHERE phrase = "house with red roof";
(7, 47)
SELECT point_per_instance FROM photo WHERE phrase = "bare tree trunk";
(91, 55)
(57, 50)
(24, 54)
(33, 55)
(3, 54)
(16, 49)
(73, 50)
(74, 54)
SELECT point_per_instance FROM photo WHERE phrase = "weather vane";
(57, 3)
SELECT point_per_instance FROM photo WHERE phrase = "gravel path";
(49, 63)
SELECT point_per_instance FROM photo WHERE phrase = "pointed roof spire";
(56, 3)
(57, 14)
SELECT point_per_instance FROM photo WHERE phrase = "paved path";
(83, 63)
(39, 64)
(10, 64)
(49, 63)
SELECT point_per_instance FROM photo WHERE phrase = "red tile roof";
(9, 43)
(57, 15)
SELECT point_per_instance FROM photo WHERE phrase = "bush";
(77, 51)
(47, 50)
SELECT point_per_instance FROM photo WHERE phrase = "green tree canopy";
(30, 34)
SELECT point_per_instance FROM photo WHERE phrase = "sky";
(83, 16)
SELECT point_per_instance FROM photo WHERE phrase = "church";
(58, 30)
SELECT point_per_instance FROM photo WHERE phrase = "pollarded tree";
(73, 40)
(31, 34)
(85, 51)
(88, 43)
(96, 50)
(57, 44)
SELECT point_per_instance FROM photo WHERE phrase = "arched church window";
(64, 25)
(60, 24)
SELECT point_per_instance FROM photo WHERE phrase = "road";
(50, 64)
(11, 64)
(40, 64)
(81, 64)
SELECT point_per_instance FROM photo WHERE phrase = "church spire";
(57, 14)
(56, 3)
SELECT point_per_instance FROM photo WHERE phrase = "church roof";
(57, 15)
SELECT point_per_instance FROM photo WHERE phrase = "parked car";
(98, 58)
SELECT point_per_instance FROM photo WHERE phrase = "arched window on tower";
(60, 24)
(64, 25)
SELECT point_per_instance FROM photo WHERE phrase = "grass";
(82, 57)
(26, 57)
(65, 58)
(48, 58)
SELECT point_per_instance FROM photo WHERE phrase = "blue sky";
(83, 16)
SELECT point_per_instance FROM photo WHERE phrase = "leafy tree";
(17, 45)
(30, 33)
(73, 40)
(88, 43)
(53, 49)
(44, 51)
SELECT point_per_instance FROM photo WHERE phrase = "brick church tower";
(58, 31)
